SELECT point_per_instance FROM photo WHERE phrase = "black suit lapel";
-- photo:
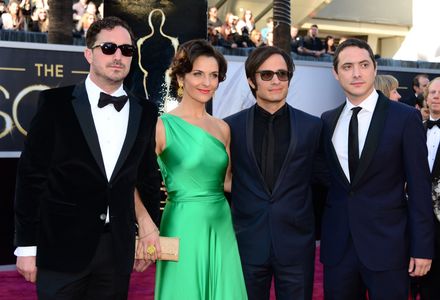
(373, 137)
(132, 132)
(250, 145)
(333, 156)
(435, 173)
(81, 106)
(436, 167)
(294, 127)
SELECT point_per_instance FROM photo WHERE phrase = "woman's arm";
(226, 133)
(160, 136)
(148, 234)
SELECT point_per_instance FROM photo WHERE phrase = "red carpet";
(14, 287)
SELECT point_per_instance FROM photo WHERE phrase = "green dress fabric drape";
(193, 166)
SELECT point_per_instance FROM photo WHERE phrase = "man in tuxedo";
(419, 83)
(429, 284)
(273, 151)
(373, 235)
(88, 147)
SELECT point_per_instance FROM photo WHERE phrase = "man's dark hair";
(107, 23)
(258, 56)
(416, 80)
(352, 43)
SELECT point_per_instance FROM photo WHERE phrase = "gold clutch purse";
(169, 248)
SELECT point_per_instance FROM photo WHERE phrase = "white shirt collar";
(93, 91)
(368, 104)
(432, 119)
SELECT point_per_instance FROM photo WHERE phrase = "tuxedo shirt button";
(102, 216)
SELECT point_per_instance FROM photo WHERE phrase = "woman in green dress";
(193, 155)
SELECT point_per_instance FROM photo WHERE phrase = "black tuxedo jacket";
(435, 173)
(429, 283)
(411, 100)
(385, 226)
(282, 220)
(62, 191)
(435, 177)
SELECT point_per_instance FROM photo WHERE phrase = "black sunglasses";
(110, 48)
(267, 75)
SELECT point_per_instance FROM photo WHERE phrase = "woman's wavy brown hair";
(187, 53)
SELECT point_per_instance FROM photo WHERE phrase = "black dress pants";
(291, 281)
(100, 280)
(351, 280)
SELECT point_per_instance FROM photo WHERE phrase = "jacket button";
(103, 216)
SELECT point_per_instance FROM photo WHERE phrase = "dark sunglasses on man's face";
(110, 48)
(267, 75)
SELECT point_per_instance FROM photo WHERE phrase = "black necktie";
(269, 150)
(430, 123)
(118, 102)
(353, 143)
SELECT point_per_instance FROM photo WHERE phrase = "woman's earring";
(180, 90)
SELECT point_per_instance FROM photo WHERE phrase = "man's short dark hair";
(352, 42)
(258, 56)
(107, 23)
(416, 80)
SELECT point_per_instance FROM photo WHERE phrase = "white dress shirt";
(340, 135)
(111, 127)
(432, 141)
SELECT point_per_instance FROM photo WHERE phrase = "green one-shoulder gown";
(193, 165)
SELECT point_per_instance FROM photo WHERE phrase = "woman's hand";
(148, 241)
(148, 235)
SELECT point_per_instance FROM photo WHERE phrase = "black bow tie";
(430, 123)
(118, 102)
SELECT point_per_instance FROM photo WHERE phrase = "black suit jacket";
(282, 220)
(62, 191)
(435, 177)
(411, 100)
(429, 283)
(435, 173)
